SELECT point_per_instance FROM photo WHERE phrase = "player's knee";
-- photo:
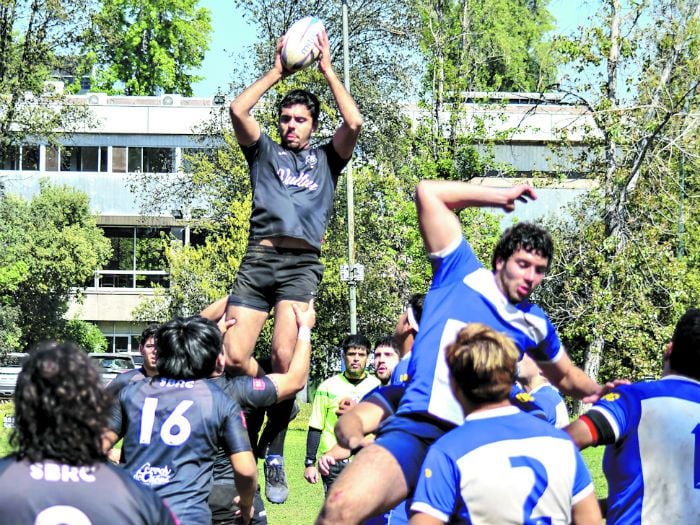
(337, 508)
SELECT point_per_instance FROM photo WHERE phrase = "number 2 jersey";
(462, 292)
(53, 493)
(171, 430)
(502, 466)
(652, 461)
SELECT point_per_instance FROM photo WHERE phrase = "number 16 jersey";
(171, 430)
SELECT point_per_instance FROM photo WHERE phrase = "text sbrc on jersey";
(176, 383)
(56, 472)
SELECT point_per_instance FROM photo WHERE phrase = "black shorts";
(335, 471)
(223, 509)
(268, 275)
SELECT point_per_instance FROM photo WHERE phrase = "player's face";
(355, 362)
(520, 274)
(385, 359)
(148, 351)
(296, 126)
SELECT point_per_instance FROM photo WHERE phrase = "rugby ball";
(299, 49)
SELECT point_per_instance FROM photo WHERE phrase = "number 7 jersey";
(502, 466)
(171, 430)
(652, 462)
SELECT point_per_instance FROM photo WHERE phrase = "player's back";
(50, 492)
(172, 430)
(653, 471)
(502, 466)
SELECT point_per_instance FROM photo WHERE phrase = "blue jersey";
(653, 461)
(549, 399)
(400, 374)
(172, 430)
(463, 292)
(502, 466)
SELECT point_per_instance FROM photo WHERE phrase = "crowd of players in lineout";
(448, 439)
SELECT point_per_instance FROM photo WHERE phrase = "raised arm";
(294, 380)
(245, 127)
(436, 200)
(345, 136)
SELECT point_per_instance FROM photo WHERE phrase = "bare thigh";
(373, 483)
(284, 334)
(239, 340)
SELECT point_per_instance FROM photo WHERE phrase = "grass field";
(305, 499)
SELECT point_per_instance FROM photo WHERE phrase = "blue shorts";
(407, 438)
(268, 275)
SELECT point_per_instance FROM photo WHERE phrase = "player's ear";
(667, 353)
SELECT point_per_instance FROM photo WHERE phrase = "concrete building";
(151, 135)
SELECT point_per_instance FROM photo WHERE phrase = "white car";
(111, 365)
(10, 367)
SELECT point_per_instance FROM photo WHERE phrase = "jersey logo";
(403, 378)
(311, 160)
(153, 476)
(612, 396)
(428, 473)
(258, 384)
(524, 397)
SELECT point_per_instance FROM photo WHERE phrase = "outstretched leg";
(371, 484)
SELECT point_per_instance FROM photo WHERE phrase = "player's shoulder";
(7, 462)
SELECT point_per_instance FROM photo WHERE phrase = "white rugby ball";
(299, 49)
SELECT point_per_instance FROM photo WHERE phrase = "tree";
(146, 47)
(621, 282)
(36, 37)
(51, 245)
(479, 46)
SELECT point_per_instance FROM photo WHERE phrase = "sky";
(231, 33)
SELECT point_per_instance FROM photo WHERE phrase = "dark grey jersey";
(172, 430)
(250, 393)
(56, 494)
(292, 190)
(115, 385)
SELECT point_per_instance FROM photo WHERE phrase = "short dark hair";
(389, 341)
(356, 341)
(61, 408)
(148, 332)
(482, 363)
(303, 97)
(188, 348)
(525, 235)
(685, 354)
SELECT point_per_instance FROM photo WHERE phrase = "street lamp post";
(351, 273)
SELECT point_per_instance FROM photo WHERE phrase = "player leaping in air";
(293, 184)
(462, 292)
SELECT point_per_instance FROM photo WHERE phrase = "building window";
(120, 343)
(138, 258)
(151, 160)
(76, 158)
(16, 158)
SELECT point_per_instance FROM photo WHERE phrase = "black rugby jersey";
(172, 430)
(51, 492)
(292, 190)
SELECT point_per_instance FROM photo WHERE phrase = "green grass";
(305, 499)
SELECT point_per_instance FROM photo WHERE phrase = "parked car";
(136, 357)
(10, 367)
(111, 365)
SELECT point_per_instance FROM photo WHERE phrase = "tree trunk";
(591, 365)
